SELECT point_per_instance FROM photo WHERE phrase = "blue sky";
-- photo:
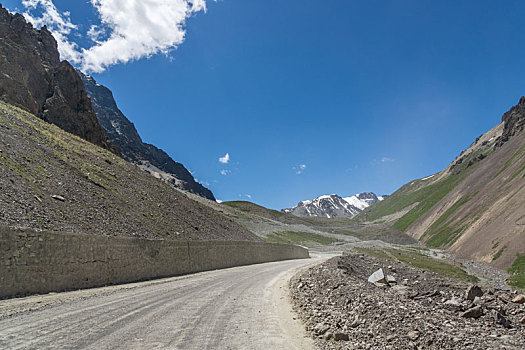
(367, 95)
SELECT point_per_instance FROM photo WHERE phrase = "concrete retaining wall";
(41, 262)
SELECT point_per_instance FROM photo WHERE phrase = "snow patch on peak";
(326, 196)
(428, 177)
(332, 205)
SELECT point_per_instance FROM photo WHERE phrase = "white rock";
(377, 277)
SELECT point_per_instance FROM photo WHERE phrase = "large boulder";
(473, 292)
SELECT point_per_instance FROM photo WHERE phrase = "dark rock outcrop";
(124, 135)
(514, 122)
(33, 78)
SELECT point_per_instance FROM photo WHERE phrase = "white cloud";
(94, 33)
(299, 169)
(225, 159)
(131, 29)
(387, 160)
(225, 172)
(58, 23)
(249, 196)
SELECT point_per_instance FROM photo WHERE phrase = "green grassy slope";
(423, 194)
(271, 224)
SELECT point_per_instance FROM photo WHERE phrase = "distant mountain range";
(124, 135)
(334, 206)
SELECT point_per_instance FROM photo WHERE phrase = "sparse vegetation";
(427, 197)
(38, 160)
(517, 271)
(498, 253)
(420, 260)
(451, 210)
(509, 162)
(443, 233)
(422, 194)
(302, 238)
(252, 208)
(520, 170)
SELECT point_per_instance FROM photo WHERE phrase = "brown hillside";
(53, 180)
(483, 217)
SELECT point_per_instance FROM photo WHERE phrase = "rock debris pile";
(403, 308)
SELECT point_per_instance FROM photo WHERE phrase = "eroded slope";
(476, 206)
(50, 179)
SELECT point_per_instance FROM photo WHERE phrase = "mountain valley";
(136, 253)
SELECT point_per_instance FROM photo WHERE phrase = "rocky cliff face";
(33, 78)
(514, 122)
(123, 134)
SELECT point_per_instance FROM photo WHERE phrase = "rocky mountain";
(33, 78)
(124, 135)
(334, 206)
(53, 180)
(476, 206)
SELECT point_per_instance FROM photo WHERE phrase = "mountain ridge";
(122, 132)
(55, 181)
(334, 206)
(474, 207)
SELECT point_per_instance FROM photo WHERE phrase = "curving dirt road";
(239, 308)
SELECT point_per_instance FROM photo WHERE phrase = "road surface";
(239, 308)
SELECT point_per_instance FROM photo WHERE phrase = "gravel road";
(239, 308)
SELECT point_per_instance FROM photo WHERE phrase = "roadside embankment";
(41, 262)
(359, 301)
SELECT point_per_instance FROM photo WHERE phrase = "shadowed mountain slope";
(123, 134)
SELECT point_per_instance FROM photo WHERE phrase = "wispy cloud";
(225, 172)
(225, 159)
(128, 30)
(299, 169)
(387, 160)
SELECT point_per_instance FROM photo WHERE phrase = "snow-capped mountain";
(334, 206)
